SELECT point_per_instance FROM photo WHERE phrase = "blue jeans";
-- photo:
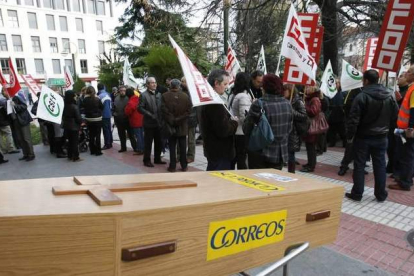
(107, 133)
(139, 136)
(376, 147)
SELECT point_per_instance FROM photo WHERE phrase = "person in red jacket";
(135, 119)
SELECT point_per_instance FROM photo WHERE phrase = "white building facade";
(42, 36)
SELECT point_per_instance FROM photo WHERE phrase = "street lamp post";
(73, 55)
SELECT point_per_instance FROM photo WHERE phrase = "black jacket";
(372, 113)
(218, 132)
(4, 118)
(22, 113)
(150, 107)
(71, 119)
(93, 108)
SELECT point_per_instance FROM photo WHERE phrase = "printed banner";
(14, 85)
(328, 86)
(394, 35)
(369, 55)
(351, 78)
(32, 84)
(232, 65)
(200, 90)
(240, 234)
(50, 106)
(312, 34)
(261, 64)
(68, 79)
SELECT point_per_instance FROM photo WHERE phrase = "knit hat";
(272, 84)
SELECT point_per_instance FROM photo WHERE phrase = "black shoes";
(3, 161)
(122, 150)
(342, 171)
(353, 197)
(398, 187)
(148, 164)
(184, 169)
(23, 158)
(171, 170)
(106, 147)
(307, 169)
(30, 158)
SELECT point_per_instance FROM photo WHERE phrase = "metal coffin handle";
(148, 251)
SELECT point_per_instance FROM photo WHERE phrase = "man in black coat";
(371, 115)
(217, 127)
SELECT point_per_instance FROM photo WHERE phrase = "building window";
(79, 25)
(17, 43)
(63, 23)
(81, 46)
(1, 19)
(99, 26)
(53, 45)
(40, 69)
(59, 4)
(5, 65)
(101, 8)
(32, 20)
(21, 66)
(36, 44)
(56, 66)
(76, 5)
(50, 20)
(84, 66)
(29, 2)
(47, 4)
(69, 64)
(3, 43)
(66, 45)
(101, 47)
(91, 6)
(13, 20)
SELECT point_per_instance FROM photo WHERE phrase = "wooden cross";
(104, 195)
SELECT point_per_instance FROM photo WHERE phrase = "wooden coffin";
(229, 222)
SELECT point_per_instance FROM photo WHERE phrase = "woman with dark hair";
(239, 104)
(313, 108)
(93, 115)
(71, 122)
(279, 114)
(299, 123)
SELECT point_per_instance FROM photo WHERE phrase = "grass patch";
(36, 136)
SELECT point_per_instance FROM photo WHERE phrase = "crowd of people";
(369, 122)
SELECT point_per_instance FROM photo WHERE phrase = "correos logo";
(245, 233)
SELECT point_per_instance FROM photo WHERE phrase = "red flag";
(3, 81)
(14, 85)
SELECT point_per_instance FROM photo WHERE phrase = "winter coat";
(373, 111)
(239, 106)
(131, 111)
(21, 111)
(150, 107)
(107, 104)
(71, 118)
(176, 108)
(336, 109)
(119, 106)
(93, 109)
(313, 108)
(4, 119)
(299, 115)
(217, 130)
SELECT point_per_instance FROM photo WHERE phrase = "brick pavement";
(369, 231)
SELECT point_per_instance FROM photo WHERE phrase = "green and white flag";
(351, 78)
(128, 77)
(261, 64)
(50, 106)
(328, 86)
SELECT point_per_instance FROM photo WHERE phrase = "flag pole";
(291, 92)
(278, 63)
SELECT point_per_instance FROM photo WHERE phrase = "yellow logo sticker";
(248, 182)
(241, 234)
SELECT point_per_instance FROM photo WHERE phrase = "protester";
(405, 171)
(5, 130)
(370, 118)
(313, 108)
(176, 108)
(300, 124)
(336, 118)
(21, 120)
(71, 121)
(192, 125)
(135, 120)
(403, 85)
(93, 108)
(150, 107)
(217, 127)
(239, 104)
(256, 84)
(106, 116)
(80, 100)
(279, 114)
(122, 122)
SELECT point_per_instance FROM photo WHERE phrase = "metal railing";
(290, 253)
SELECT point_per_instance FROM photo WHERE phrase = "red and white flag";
(68, 79)
(232, 65)
(200, 90)
(14, 85)
(32, 84)
(3, 81)
(372, 44)
(295, 48)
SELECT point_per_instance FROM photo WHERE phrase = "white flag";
(232, 64)
(295, 48)
(261, 65)
(68, 78)
(351, 78)
(50, 106)
(328, 86)
(128, 78)
(200, 90)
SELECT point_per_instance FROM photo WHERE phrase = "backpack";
(262, 134)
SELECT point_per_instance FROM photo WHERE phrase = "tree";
(78, 85)
(111, 74)
(162, 63)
